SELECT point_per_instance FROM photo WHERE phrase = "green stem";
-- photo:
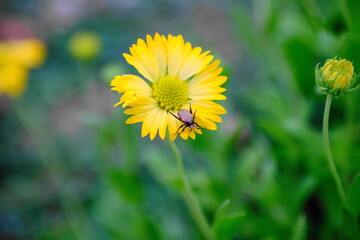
(190, 198)
(328, 154)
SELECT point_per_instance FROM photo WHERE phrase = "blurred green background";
(71, 169)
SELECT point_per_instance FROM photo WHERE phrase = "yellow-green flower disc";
(85, 45)
(336, 77)
(177, 75)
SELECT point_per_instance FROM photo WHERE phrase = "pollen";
(171, 93)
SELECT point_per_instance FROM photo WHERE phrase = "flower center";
(171, 93)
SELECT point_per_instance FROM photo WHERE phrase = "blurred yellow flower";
(336, 77)
(29, 52)
(16, 57)
(178, 75)
(85, 45)
(13, 79)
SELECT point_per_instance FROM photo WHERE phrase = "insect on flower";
(187, 118)
(171, 73)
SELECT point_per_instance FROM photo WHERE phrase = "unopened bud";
(336, 77)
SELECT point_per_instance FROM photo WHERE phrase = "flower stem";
(328, 154)
(190, 198)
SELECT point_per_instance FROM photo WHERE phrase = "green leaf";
(301, 59)
(229, 226)
(220, 212)
(225, 226)
(354, 195)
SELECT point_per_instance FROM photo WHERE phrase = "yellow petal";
(155, 121)
(210, 72)
(144, 62)
(210, 82)
(184, 135)
(147, 124)
(163, 121)
(203, 93)
(130, 82)
(140, 109)
(174, 125)
(192, 134)
(136, 118)
(194, 63)
(157, 46)
(132, 86)
(208, 106)
(141, 105)
(207, 122)
(176, 48)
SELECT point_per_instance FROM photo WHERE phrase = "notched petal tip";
(126, 55)
(173, 136)
(192, 135)
(221, 97)
(184, 136)
(198, 131)
(116, 104)
(115, 80)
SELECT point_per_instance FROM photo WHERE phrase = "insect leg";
(197, 125)
(175, 116)
(184, 125)
(183, 129)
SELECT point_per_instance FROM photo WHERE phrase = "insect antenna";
(194, 114)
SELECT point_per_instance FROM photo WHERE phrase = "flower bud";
(336, 77)
(84, 46)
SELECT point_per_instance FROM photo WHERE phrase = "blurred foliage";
(71, 169)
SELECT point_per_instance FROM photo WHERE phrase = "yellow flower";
(13, 79)
(29, 52)
(16, 57)
(178, 76)
(336, 77)
(85, 45)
